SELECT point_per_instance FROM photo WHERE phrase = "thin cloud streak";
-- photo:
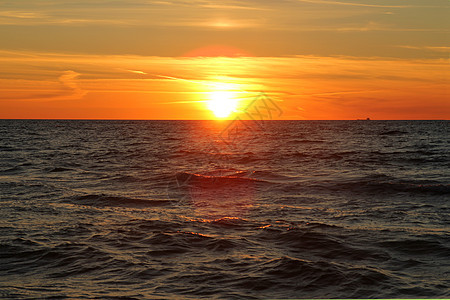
(430, 48)
(136, 72)
(354, 4)
(22, 15)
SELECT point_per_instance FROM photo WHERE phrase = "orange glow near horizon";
(305, 87)
(218, 51)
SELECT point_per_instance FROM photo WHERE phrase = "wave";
(120, 178)
(13, 170)
(307, 141)
(103, 200)
(61, 260)
(300, 276)
(220, 178)
(417, 246)
(383, 184)
(167, 243)
(326, 245)
(8, 148)
(58, 169)
(393, 132)
(214, 189)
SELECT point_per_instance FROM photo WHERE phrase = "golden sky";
(318, 59)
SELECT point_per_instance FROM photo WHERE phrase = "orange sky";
(167, 60)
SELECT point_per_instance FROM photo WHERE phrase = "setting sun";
(222, 103)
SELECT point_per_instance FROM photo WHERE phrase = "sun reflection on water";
(223, 194)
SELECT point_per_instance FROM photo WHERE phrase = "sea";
(231, 209)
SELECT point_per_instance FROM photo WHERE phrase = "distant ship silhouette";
(366, 119)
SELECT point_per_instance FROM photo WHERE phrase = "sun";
(222, 103)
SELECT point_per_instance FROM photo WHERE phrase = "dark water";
(165, 209)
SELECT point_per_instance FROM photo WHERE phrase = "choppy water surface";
(165, 209)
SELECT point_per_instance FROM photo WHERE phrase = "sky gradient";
(138, 59)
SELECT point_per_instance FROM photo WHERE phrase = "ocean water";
(213, 209)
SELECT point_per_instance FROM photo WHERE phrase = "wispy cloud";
(22, 14)
(69, 82)
(136, 72)
(21, 17)
(439, 49)
(234, 7)
(353, 4)
(429, 48)
(64, 87)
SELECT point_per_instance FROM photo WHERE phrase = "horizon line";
(100, 119)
